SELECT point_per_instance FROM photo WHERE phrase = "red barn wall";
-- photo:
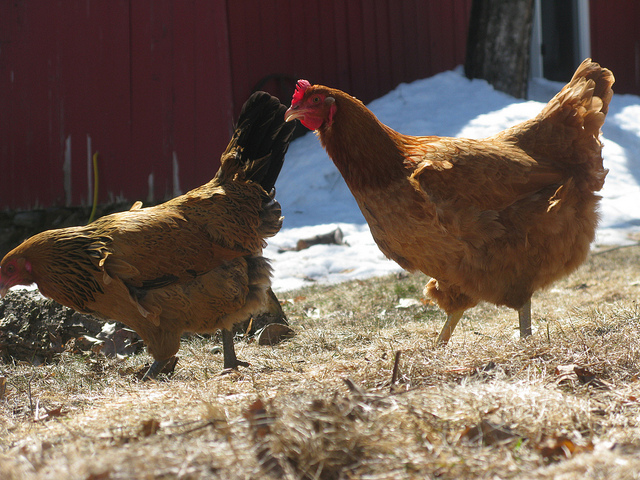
(153, 86)
(615, 41)
(365, 47)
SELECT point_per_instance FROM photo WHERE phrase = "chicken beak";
(293, 113)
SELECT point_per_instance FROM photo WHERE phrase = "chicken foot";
(155, 368)
(229, 352)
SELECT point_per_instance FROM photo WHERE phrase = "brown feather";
(193, 263)
(492, 219)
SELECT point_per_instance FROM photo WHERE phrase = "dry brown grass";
(564, 403)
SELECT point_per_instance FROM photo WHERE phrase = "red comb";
(301, 86)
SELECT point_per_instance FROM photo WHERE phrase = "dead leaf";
(565, 369)
(490, 433)
(559, 447)
(582, 374)
(149, 427)
(258, 418)
(274, 333)
(461, 370)
(491, 410)
(56, 412)
(260, 422)
(100, 476)
(3, 386)
(39, 416)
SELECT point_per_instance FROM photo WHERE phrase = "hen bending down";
(493, 219)
(191, 264)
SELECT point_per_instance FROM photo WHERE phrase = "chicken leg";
(452, 320)
(524, 317)
(229, 352)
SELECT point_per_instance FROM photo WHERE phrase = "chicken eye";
(10, 269)
(316, 99)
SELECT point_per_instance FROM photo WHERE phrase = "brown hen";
(493, 219)
(191, 264)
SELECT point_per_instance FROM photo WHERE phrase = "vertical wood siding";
(154, 85)
(615, 41)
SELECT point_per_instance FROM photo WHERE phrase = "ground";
(361, 391)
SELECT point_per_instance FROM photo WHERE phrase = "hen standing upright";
(191, 264)
(493, 219)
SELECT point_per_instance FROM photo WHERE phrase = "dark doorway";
(559, 38)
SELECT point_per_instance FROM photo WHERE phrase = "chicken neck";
(366, 151)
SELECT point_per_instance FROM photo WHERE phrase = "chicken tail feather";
(569, 126)
(585, 98)
(260, 141)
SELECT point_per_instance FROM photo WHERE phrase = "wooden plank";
(615, 41)
(144, 79)
(414, 28)
(244, 32)
(151, 92)
(62, 61)
(214, 94)
(98, 86)
(183, 135)
(382, 39)
(370, 83)
(441, 42)
(358, 61)
(334, 30)
(326, 31)
(461, 14)
(398, 59)
(310, 42)
(29, 110)
(343, 77)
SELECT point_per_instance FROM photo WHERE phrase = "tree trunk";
(498, 44)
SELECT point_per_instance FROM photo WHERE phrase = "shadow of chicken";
(192, 264)
(493, 219)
